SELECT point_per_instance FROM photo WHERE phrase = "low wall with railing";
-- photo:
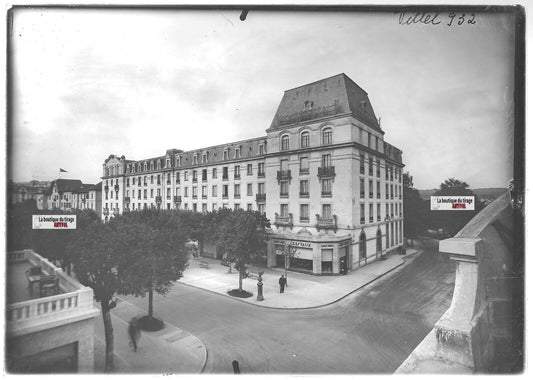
(26, 316)
(475, 332)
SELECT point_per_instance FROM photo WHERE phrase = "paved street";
(370, 331)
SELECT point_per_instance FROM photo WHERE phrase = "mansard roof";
(66, 185)
(327, 97)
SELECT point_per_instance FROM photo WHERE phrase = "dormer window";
(261, 149)
(285, 142)
(204, 158)
(195, 159)
(304, 140)
(158, 164)
(327, 136)
(178, 161)
(152, 165)
(238, 152)
(145, 166)
(226, 154)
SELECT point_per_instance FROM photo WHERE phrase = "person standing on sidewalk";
(282, 282)
(134, 332)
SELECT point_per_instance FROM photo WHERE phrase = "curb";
(306, 307)
(204, 364)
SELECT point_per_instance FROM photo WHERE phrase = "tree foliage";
(240, 235)
(155, 245)
(413, 206)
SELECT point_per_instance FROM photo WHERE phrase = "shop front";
(312, 255)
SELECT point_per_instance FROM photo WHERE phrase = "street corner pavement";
(170, 350)
(303, 290)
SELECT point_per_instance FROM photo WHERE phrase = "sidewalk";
(170, 350)
(303, 291)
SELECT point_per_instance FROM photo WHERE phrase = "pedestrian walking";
(282, 283)
(134, 332)
(236, 369)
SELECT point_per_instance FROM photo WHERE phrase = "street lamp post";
(260, 286)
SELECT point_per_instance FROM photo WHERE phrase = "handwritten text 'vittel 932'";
(450, 19)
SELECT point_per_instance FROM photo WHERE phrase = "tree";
(19, 225)
(156, 246)
(98, 259)
(413, 207)
(241, 236)
(53, 243)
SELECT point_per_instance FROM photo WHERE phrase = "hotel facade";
(323, 174)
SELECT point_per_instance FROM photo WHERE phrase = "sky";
(90, 83)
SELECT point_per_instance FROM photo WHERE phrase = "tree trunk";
(240, 280)
(201, 247)
(108, 329)
(151, 302)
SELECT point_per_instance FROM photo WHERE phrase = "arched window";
(285, 142)
(304, 140)
(362, 246)
(378, 242)
(327, 136)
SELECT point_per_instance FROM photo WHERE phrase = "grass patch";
(147, 323)
(240, 293)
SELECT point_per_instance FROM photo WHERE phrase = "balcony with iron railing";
(177, 198)
(326, 194)
(127, 199)
(106, 188)
(158, 199)
(284, 175)
(105, 211)
(326, 172)
(117, 187)
(362, 220)
(326, 223)
(304, 194)
(307, 115)
(283, 220)
(260, 197)
(304, 170)
(260, 174)
(236, 176)
(284, 194)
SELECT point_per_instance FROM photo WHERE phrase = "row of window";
(391, 173)
(394, 212)
(305, 140)
(395, 190)
(186, 206)
(214, 191)
(325, 184)
(159, 164)
(326, 212)
(139, 181)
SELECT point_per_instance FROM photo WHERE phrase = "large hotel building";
(323, 174)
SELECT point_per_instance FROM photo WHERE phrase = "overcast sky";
(90, 83)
